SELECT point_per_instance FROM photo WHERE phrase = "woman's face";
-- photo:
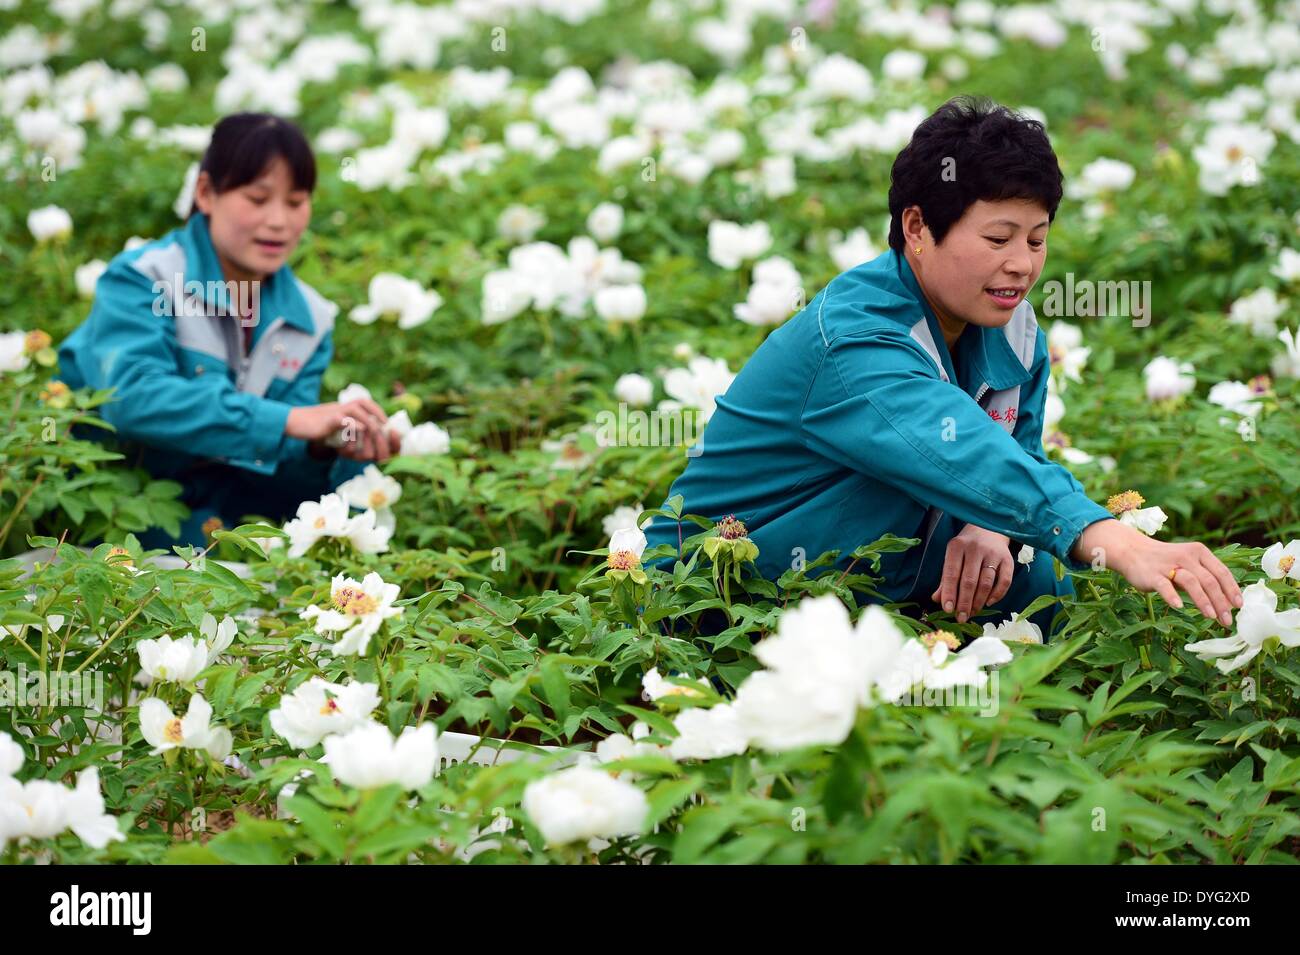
(255, 227)
(986, 264)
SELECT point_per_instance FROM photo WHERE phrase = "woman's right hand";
(362, 422)
(1147, 564)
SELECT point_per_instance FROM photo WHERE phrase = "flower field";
(555, 231)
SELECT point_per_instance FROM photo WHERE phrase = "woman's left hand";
(977, 572)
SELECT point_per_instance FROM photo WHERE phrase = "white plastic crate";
(164, 561)
(456, 748)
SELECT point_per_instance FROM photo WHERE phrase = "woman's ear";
(914, 229)
(204, 193)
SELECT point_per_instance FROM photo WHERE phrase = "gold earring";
(917, 250)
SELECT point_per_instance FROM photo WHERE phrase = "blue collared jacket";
(196, 405)
(853, 420)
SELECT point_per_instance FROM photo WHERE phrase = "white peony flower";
(163, 730)
(624, 517)
(48, 223)
(315, 520)
(731, 245)
(1166, 378)
(11, 756)
(87, 275)
(820, 670)
(318, 708)
(358, 609)
(1066, 351)
(1287, 268)
(621, 303)
(1232, 155)
(854, 249)
(1258, 311)
(1102, 176)
(1236, 396)
(13, 351)
(708, 733)
(697, 386)
(83, 812)
(1258, 625)
(1016, 630)
(391, 294)
(655, 687)
(41, 809)
(185, 198)
(637, 390)
(388, 166)
(628, 540)
(371, 489)
(1148, 520)
(1280, 562)
(839, 77)
(777, 291)
(217, 636)
(1287, 364)
(173, 661)
(581, 803)
(1026, 555)
(518, 224)
(419, 129)
(903, 66)
(353, 392)
(938, 667)
(605, 222)
(616, 747)
(506, 293)
(426, 438)
(368, 756)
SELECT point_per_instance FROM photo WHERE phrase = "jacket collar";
(280, 296)
(991, 355)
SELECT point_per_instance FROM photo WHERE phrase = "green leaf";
(1097, 706)
(376, 808)
(556, 687)
(320, 825)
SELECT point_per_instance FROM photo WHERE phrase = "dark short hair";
(969, 149)
(244, 144)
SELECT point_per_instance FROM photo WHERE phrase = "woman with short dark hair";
(215, 350)
(907, 398)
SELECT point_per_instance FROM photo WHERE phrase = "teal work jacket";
(190, 401)
(853, 420)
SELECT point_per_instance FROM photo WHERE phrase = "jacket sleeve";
(133, 350)
(296, 463)
(878, 406)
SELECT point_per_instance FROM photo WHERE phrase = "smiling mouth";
(1005, 297)
(270, 245)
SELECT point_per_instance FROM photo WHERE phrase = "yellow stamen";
(378, 498)
(329, 708)
(1286, 563)
(940, 636)
(354, 601)
(172, 732)
(1127, 501)
(35, 341)
(623, 560)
